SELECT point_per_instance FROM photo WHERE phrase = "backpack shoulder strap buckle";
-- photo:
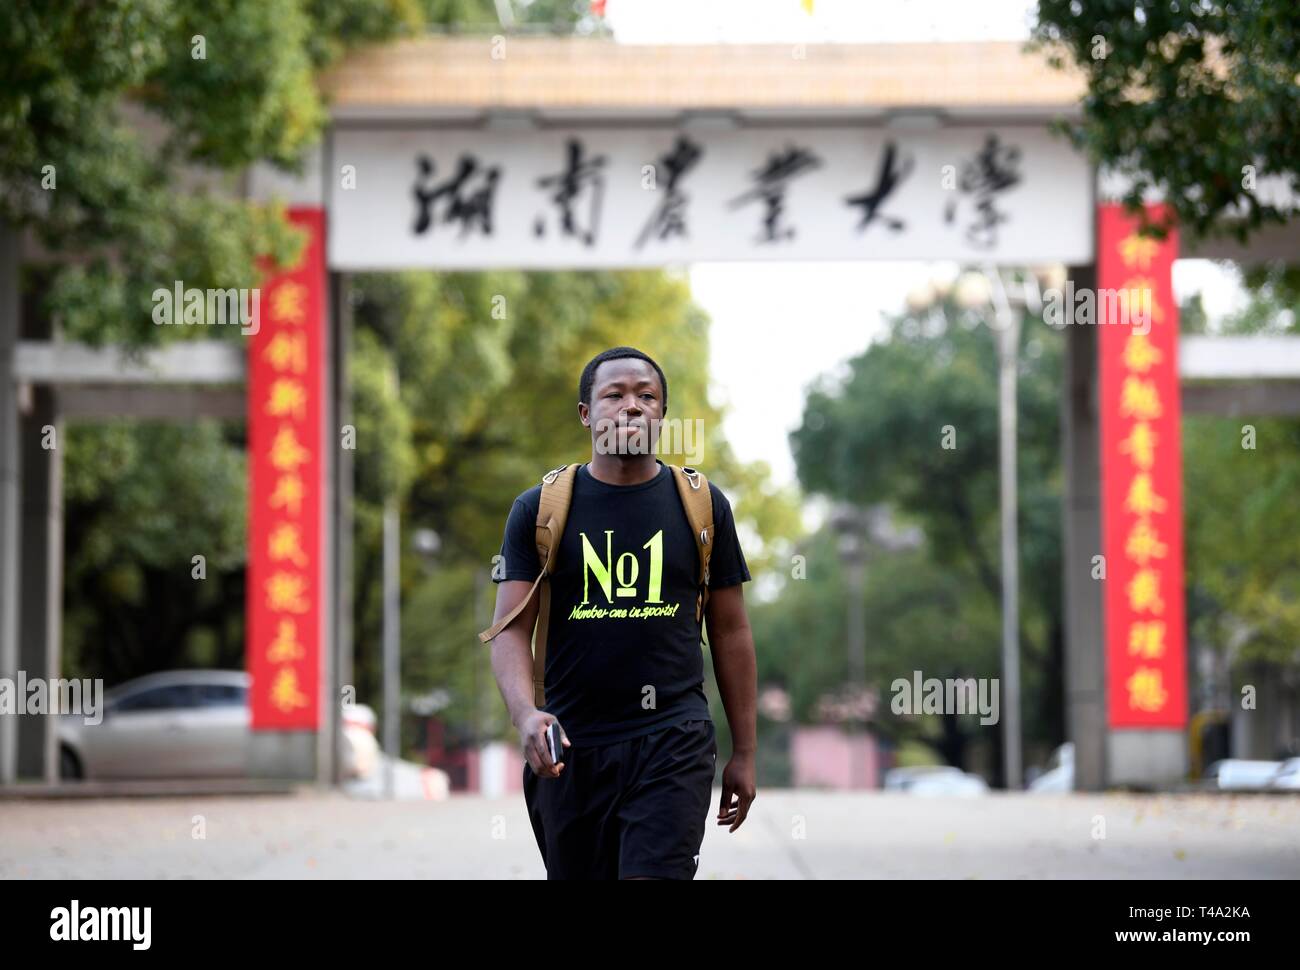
(698, 503)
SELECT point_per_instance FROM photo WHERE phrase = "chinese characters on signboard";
(1141, 480)
(458, 198)
(284, 516)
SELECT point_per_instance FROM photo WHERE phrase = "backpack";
(553, 512)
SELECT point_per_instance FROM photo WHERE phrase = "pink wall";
(510, 765)
(825, 757)
(514, 770)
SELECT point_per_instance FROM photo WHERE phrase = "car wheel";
(69, 766)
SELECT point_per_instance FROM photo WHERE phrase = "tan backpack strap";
(539, 645)
(552, 514)
(490, 634)
(697, 499)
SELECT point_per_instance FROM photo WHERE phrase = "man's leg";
(664, 810)
(569, 816)
(534, 810)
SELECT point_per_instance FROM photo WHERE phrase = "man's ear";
(583, 412)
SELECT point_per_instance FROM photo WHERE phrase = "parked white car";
(1239, 774)
(900, 779)
(185, 724)
(949, 784)
(361, 752)
(1058, 777)
(935, 780)
(1287, 777)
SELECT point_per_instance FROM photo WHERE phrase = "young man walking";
(631, 585)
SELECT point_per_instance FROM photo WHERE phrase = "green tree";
(920, 615)
(1242, 557)
(874, 438)
(141, 501)
(1240, 476)
(1186, 96)
(481, 16)
(914, 427)
(110, 112)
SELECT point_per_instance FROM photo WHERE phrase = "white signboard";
(473, 199)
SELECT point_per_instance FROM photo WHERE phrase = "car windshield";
(220, 695)
(168, 697)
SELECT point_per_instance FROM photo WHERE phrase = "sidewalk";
(789, 835)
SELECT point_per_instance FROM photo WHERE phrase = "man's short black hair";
(616, 353)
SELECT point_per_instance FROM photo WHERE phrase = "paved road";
(789, 835)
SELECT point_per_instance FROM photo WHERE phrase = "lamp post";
(1008, 311)
(1007, 330)
(1008, 308)
(850, 523)
(391, 641)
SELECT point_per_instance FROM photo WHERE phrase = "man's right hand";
(532, 732)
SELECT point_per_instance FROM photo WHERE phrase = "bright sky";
(777, 326)
(786, 21)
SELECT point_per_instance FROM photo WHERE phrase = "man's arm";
(732, 644)
(512, 665)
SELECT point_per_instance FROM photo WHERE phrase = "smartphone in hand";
(554, 743)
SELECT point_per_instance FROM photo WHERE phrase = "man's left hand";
(738, 791)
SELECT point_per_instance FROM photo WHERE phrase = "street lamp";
(850, 525)
(975, 290)
(1006, 323)
(392, 618)
(426, 542)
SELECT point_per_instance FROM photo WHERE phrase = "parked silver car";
(934, 780)
(177, 724)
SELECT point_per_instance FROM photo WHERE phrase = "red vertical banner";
(1141, 475)
(286, 390)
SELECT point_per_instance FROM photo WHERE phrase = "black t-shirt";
(623, 653)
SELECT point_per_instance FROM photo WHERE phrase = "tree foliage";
(124, 128)
(1187, 97)
(913, 427)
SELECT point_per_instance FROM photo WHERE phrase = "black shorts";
(631, 808)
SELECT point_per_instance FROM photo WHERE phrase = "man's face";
(626, 407)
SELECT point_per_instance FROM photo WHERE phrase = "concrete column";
(284, 755)
(10, 473)
(1146, 759)
(329, 738)
(1085, 659)
(341, 523)
(41, 576)
(1259, 732)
